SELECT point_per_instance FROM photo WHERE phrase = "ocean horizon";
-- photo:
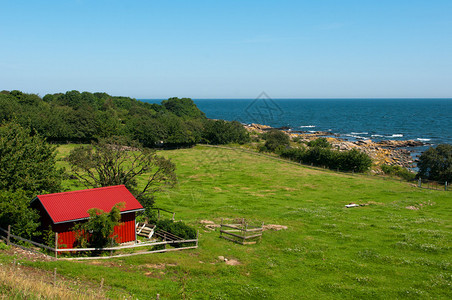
(423, 119)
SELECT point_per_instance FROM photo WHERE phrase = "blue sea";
(426, 120)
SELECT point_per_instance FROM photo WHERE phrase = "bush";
(179, 229)
(276, 140)
(99, 229)
(321, 142)
(352, 160)
(399, 172)
(220, 132)
(3, 246)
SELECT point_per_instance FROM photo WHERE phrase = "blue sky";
(228, 49)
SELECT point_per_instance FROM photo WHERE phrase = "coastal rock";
(400, 144)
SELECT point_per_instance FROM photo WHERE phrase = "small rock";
(221, 258)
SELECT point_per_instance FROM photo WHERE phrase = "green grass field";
(381, 250)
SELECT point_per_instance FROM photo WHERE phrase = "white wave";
(307, 126)
(356, 136)
(395, 135)
(376, 135)
(423, 140)
(359, 133)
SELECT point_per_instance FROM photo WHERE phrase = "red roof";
(70, 206)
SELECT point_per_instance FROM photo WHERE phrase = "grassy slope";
(382, 250)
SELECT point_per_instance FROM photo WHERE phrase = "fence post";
(56, 245)
(419, 183)
(197, 238)
(173, 215)
(158, 214)
(7, 234)
(445, 186)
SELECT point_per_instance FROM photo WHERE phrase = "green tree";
(220, 132)
(27, 162)
(355, 160)
(184, 107)
(98, 231)
(15, 211)
(117, 161)
(276, 140)
(436, 163)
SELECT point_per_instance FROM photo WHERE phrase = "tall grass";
(19, 282)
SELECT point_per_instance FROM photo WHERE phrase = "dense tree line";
(85, 117)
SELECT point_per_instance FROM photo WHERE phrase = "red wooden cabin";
(62, 211)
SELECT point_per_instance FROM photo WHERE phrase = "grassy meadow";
(396, 246)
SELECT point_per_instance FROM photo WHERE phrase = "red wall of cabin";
(125, 231)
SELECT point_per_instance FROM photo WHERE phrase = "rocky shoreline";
(389, 152)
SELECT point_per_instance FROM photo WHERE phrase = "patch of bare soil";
(411, 207)
(30, 255)
(209, 224)
(229, 262)
(232, 262)
(156, 266)
(420, 205)
(274, 227)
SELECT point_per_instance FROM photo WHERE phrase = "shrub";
(352, 160)
(179, 229)
(399, 172)
(220, 132)
(321, 142)
(276, 140)
(98, 230)
(3, 246)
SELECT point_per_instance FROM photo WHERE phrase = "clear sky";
(228, 49)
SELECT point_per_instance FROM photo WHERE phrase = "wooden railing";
(241, 232)
(8, 236)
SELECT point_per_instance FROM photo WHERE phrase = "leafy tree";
(8, 107)
(108, 124)
(184, 107)
(117, 161)
(27, 162)
(355, 160)
(148, 131)
(276, 140)
(220, 132)
(436, 163)
(99, 229)
(15, 211)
